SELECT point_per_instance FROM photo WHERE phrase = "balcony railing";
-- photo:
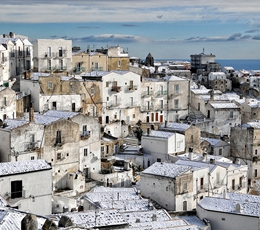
(113, 104)
(175, 93)
(49, 55)
(79, 69)
(161, 93)
(160, 107)
(116, 89)
(129, 105)
(97, 69)
(56, 68)
(147, 94)
(147, 108)
(85, 135)
(132, 87)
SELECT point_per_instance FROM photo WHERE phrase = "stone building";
(245, 147)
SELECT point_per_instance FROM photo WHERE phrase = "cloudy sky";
(167, 28)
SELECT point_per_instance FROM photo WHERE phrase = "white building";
(52, 55)
(7, 103)
(46, 92)
(160, 145)
(4, 64)
(27, 185)
(180, 186)
(120, 95)
(232, 211)
(19, 58)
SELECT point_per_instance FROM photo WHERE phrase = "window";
(255, 172)
(256, 152)
(32, 158)
(184, 205)
(58, 137)
(185, 186)
(220, 152)
(49, 52)
(54, 105)
(85, 152)
(218, 178)
(50, 85)
(114, 83)
(60, 51)
(92, 91)
(107, 98)
(233, 184)
(16, 189)
(119, 63)
(58, 156)
(240, 181)
(131, 101)
(32, 138)
(176, 103)
(107, 83)
(161, 104)
(131, 84)
(133, 115)
(158, 160)
(49, 64)
(102, 149)
(231, 114)
(61, 64)
(96, 66)
(176, 89)
(201, 182)
(4, 102)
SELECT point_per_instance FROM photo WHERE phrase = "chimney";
(205, 156)
(190, 153)
(166, 123)
(224, 193)
(29, 222)
(31, 115)
(11, 35)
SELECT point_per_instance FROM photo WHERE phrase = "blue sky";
(166, 28)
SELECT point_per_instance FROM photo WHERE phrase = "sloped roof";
(18, 167)
(166, 169)
(174, 126)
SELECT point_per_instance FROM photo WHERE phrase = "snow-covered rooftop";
(253, 124)
(160, 134)
(18, 167)
(224, 105)
(97, 218)
(10, 219)
(60, 114)
(230, 206)
(166, 169)
(36, 75)
(174, 126)
(212, 141)
(13, 124)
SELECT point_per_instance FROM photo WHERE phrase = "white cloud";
(126, 11)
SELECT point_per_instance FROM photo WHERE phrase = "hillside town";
(96, 139)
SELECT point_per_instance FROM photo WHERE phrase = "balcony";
(161, 93)
(131, 105)
(116, 89)
(79, 69)
(175, 93)
(203, 188)
(147, 108)
(50, 55)
(55, 68)
(85, 135)
(147, 94)
(113, 104)
(131, 87)
(32, 146)
(161, 107)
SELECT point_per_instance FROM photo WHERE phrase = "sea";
(237, 64)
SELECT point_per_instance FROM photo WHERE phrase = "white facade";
(181, 185)
(217, 76)
(7, 103)
(235, 211)
(27, 185)
(121, 97)
(161, 144)
(4, 64)
(52, 55)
